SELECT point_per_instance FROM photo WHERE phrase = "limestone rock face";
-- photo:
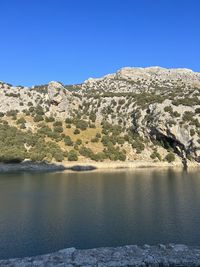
(56, 92)
(17, 98)
(159, 73)
(137, 79)
(58, 96)
(161, 106)
(159, 124)
(164, 104)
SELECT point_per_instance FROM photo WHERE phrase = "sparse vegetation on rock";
(134, 114)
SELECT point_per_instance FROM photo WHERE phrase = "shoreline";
(125, 256)
(28, 166)
(129, 164)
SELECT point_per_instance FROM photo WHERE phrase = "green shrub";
(22, 126)
(155, 155)
(106, 140)
(92, 117)
(170, 157)
(192, 132)
(176, 114)
(100, 156)
(192, 101)
(49, 119)
(98, 135)
(188, 116)
(72, 155)
(27, 112)
(114, 153)
(20, 121)
(31, 109)
(121, 156)
(197, 110)
(82, 125)
(39, 110)
(121, 102)
(86, 152)
(45, 130)
(76, 131)
(92, 125)
(58, 157)
(48, 157)
(78, 142)
(37, 156)
(120, 140)
(38, 118)
(95, 140)
(54, 135)
(58, 129)
(139, 146)
(168, 109)
(11, 113)
(68, 141)
(65, 154)
(68, 120)
(57, 123)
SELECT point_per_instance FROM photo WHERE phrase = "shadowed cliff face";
(176, 127)
(158, 109)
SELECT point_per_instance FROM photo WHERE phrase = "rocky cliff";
(134, 114)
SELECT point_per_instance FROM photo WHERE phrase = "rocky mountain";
(148, 114)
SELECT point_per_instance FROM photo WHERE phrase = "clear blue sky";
(72, 40)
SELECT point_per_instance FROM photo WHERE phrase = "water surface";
(42, 213)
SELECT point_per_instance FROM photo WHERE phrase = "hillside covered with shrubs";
(150, 114)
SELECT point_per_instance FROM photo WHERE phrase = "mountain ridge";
(142, 69)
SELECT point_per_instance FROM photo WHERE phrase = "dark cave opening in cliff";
(167, 142)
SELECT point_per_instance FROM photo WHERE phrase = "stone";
(67, 251)
(146, 246)
(161, 246)
(174, 255)
(180, 247)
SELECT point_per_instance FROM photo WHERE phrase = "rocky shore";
(127, 256)
(43, 167)
(127, 164)
(29, 166)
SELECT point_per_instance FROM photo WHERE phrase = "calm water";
(41, 213)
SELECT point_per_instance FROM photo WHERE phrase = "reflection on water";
(41, 213)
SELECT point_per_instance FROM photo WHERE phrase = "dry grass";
(85, 135)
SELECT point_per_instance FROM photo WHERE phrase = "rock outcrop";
(159, 109)
(142, 79)
(58, 96)
(127, 256)
(169, 111)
